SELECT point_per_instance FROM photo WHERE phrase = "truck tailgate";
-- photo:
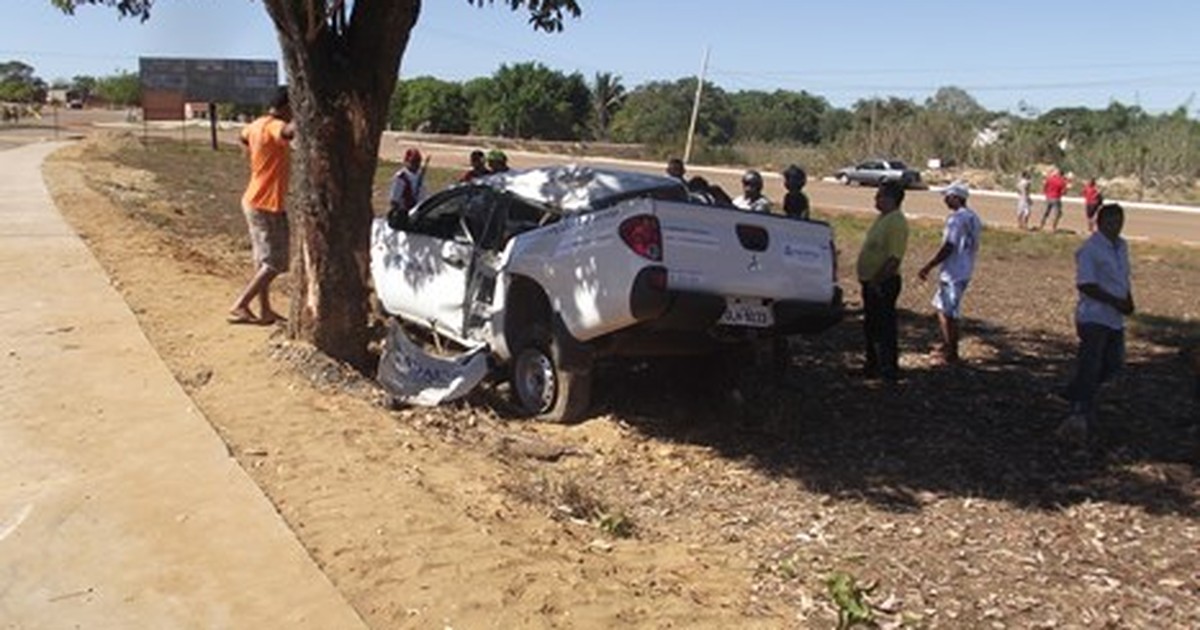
(736, 253)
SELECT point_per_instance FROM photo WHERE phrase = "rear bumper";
(668, 310)
(685, 323)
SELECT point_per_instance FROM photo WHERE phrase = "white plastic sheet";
(416, 377)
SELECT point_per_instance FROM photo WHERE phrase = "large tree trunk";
(329, 300)
(341, 73)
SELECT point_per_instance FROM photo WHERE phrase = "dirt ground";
(943, 502)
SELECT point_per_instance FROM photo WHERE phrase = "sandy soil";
(945, 499)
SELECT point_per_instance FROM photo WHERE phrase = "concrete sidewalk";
(119, 508)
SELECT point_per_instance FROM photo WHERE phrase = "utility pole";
(687, 151)
(871, 134)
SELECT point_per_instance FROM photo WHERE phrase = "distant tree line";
(531, 101)
(19, 84)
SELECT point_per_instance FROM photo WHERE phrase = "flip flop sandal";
(241, 318)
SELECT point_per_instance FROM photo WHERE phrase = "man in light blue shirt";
(1105, 298)
(960, 247)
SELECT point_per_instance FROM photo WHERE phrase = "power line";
(910, 70)
(1125, 83)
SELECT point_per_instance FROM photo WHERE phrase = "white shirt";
(963, 230)
(762, 204)
(1105, 264)
(1023, 188)
(405, 181)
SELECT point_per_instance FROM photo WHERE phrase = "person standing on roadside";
(879, 274)
(1024, 201)
(407, 184)
(478, 167)
(676, 170)
(795, 202)
(1091, 202)
(497, 161)
(267, 144)
(960, 245)
(1102, 277)
(1054, 188)
(752, 197)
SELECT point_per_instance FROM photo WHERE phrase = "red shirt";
(1091, 196)
(1055, 186)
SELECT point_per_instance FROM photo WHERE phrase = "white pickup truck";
(554, 268)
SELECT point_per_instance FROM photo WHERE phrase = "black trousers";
(880, 326)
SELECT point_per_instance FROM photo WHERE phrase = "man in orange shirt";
(266, 141)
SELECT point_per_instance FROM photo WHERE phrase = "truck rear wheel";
(542, 386)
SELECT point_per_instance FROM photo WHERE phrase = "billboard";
(241, 81)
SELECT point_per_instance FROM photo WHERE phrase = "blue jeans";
(1101, 353)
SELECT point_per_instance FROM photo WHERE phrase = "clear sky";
(1043, 53)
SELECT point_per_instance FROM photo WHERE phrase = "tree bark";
(341, 73)
(329, 299)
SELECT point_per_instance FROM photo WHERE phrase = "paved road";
(119, 504)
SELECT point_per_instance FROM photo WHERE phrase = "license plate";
(744, 312)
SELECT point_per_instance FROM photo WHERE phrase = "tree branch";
(544, 15)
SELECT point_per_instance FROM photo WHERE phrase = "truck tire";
(551, 379)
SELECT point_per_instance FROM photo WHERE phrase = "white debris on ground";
(413, 376)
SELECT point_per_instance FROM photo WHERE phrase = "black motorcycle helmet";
(752, 179)
(794, 177)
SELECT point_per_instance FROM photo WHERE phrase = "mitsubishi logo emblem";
(753, 266)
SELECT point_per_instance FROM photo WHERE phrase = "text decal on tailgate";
(801, 255)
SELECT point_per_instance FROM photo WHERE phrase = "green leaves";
(528, 100)
(658, 113)
(18, 83)
(850, 599)
(544, 15)
(430, 105)
(127, 8)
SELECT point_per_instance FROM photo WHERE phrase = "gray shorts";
(269, 236)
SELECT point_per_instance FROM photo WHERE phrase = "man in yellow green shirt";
(879, 272)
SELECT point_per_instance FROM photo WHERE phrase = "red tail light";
(643, 236)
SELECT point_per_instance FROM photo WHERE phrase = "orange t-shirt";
(269, 161)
